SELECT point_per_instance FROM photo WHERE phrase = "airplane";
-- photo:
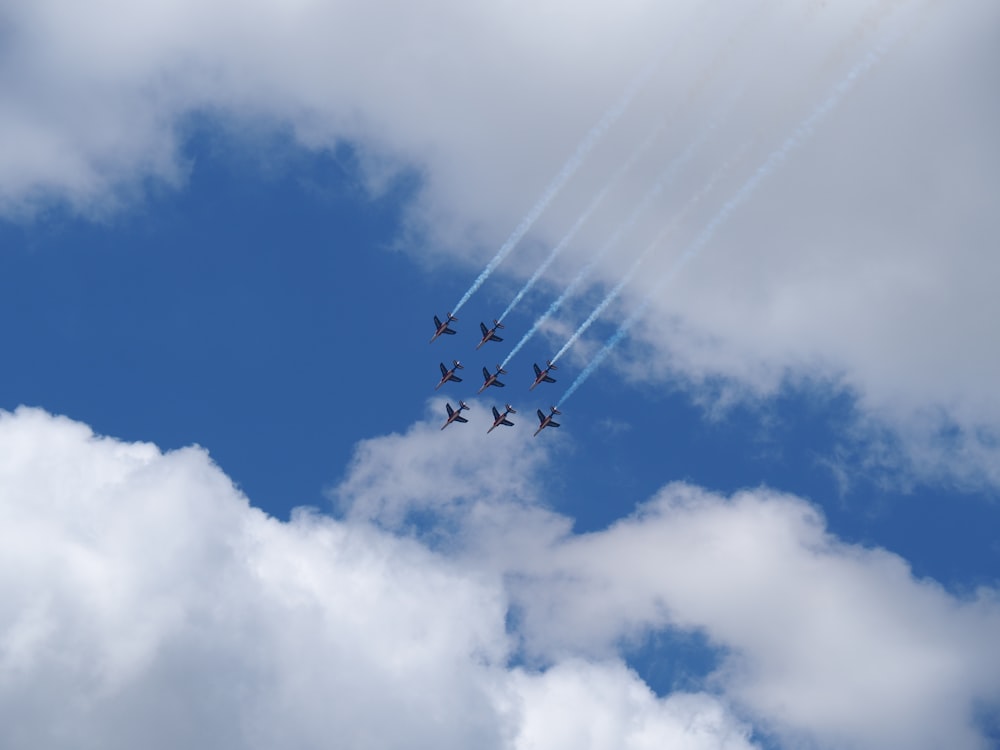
(455, 416)
(492, 379)
(442, 327)
(546, 421)
(542, 376)
(447, 374)
(499, 419)
(490, 334)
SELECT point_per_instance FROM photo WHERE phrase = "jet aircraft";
(499, 419)
(542, 376)
(490, 334)
(455, 415)
(447, 374)
(492, 379)
(546, 421)
(442, 327)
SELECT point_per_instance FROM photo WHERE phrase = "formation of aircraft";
(455, 415)
(546, 421)
(542, 376)
(442, 327)
(492, 379)
(447, 374)
(489, 334)
(501, 419)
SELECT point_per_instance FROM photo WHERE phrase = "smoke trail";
(664, 179)
(693, 91)
(582, 219)
(568, 170)
(671, 225)
(772, 162)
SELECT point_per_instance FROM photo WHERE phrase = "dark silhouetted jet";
(542, 376)
(455, 415)
(442, 327)
(499, 419)
(489, 334)
(546, 421)
(492, 379)
(447, 374)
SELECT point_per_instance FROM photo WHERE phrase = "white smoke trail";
(665, 178)
(671, 225)
(582, 219)
(772, 162)
(568, 170)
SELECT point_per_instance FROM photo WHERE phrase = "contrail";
(568, 170)
(665, 178)
(671, 225)
(772, 162)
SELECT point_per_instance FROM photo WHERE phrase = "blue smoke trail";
(568, 170)
(772, 162)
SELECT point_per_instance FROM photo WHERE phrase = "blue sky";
(768, 518)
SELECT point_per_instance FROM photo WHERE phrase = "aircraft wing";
(553, 424)
(541, 417)
(496, 414)
(463, 419)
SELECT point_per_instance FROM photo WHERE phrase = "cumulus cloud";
(144, 602)
(821, 642)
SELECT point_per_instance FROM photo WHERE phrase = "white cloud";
(866, 261)
(144, 602)
(558, 703)
(822, 643)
